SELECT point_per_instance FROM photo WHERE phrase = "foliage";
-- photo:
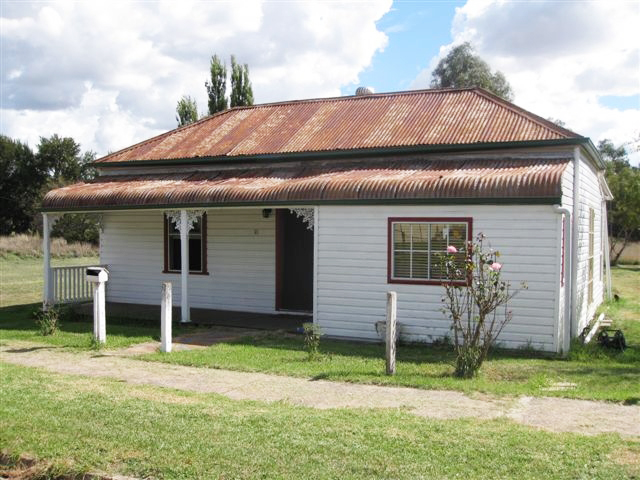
(474, 291)
(623, 213)
(77, 228)
(241, 91)
(216, 88)
(22, 178)
(463, 68)
(25, 177)
(48, 321)
(186, 111)
(312, 334)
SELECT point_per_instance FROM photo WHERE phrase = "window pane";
(174, 253)
(197, 227)
(439, 240)
(420, 236)
(172, 228)
(420, 266)
(195, 255)
(401, 236)
(458, 235)
(401, 267)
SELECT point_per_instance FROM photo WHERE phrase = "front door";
(294, 263)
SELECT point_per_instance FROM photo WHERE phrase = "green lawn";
(21, 294)
(76, 424)
(597, 374)
(82, 424)
(22, 278)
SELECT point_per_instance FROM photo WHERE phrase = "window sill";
(178, 272)
(409, 281)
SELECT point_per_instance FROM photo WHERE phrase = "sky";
(109, 73)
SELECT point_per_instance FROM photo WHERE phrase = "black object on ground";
(611, 338)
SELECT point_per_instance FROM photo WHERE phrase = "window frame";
(430, 220)
(591, 254)
(203, 247)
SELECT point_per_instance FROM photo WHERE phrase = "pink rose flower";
(452, 249)
(495, 266)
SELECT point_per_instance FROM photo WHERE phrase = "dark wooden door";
(294, 257)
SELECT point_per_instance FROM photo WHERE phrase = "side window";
(592, 223)
(197, 247)
(416, 245)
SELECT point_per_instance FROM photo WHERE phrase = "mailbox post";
(98, 276)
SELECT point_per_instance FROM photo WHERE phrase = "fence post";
(165, 318)
(391, 333)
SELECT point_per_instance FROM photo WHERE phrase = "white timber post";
(391, 333)
(98, 276)
(48, 297)
(100, 313)
(184, 267)
(165, 317)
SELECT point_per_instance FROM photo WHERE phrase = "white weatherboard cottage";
(322, 206)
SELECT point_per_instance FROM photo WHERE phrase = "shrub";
(474, 291)
(48, 321)
(312, 335)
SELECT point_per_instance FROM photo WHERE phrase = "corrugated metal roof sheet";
(404, 119)
(318, 182)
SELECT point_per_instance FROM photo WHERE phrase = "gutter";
(306, 202)
(350, 153)
(568, 284)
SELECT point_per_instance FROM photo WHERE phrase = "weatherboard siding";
(240, 260)
(352, 272)
(589, 197)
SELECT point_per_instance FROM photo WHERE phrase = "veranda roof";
(513, 180)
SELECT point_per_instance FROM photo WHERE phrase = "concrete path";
(555, 414)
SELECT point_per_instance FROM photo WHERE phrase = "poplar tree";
(241, 91)
(217, 87)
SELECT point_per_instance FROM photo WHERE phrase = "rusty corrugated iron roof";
(322, 182)
(403, 119)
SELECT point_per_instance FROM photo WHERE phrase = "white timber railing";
(69, 284)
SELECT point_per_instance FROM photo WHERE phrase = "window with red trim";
(416, 247)
(197, 247)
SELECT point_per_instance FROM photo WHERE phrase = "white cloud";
(109, 74)
(560, 58)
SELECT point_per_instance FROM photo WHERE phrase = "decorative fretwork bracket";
(306, 214)
(192, 217)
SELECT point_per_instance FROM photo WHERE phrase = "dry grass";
(25, 245)
(631, 254)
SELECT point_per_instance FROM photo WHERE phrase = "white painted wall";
(352, 271)
(589, 196)
(240, 259)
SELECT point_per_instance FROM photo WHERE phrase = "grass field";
(82, 424)
(591, 372)
(595, 373)
(22, 278)
(75, 424)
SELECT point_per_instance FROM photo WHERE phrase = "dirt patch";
(28, 467)
(554, 414)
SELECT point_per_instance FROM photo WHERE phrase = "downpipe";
(568, 268)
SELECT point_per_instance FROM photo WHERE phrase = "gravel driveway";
(554, 414)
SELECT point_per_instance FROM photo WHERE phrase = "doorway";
(294, 263)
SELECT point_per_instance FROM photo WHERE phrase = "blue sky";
(416, 31)
(109, 73)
